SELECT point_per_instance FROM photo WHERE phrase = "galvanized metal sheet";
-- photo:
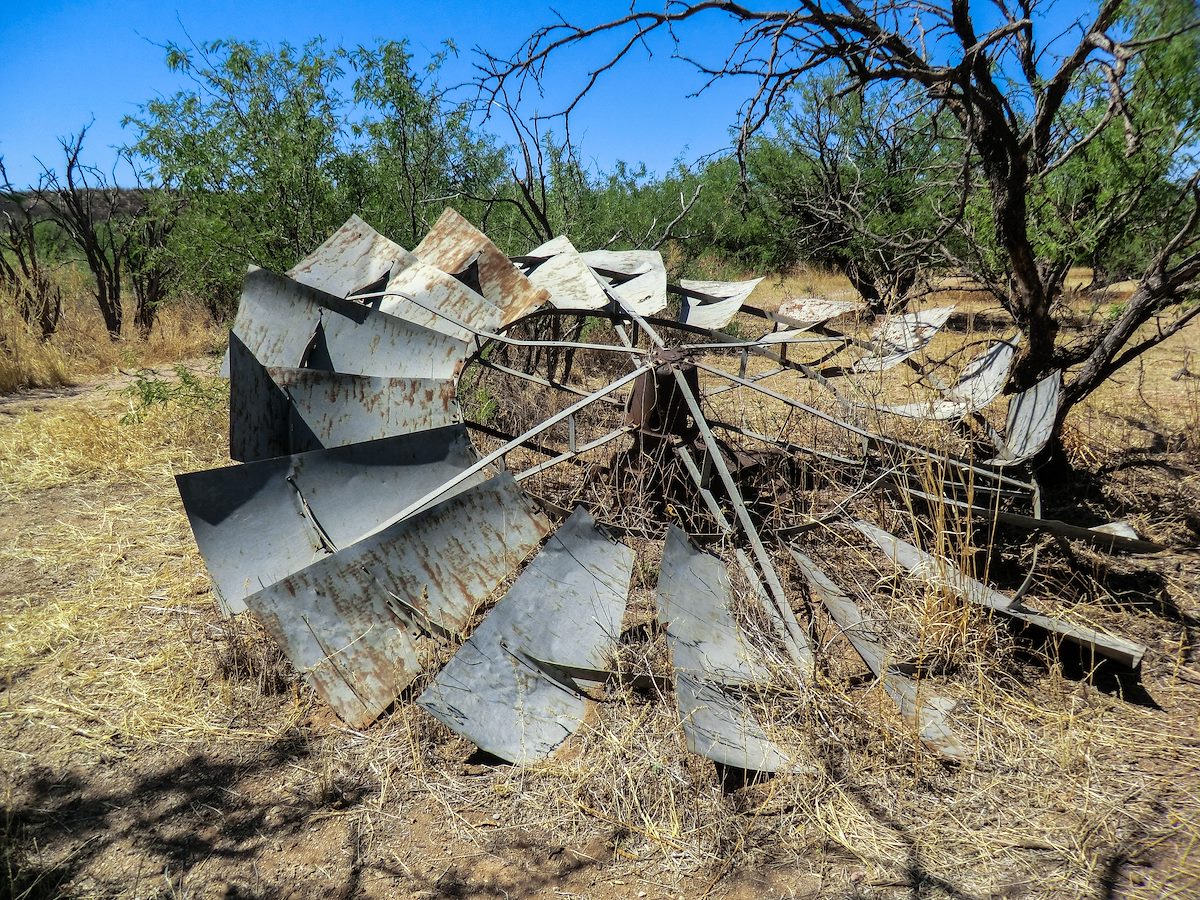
(383, 345)
(817, 310)
(899, 337)
(641, 285)
(258, 408)
(980, 382)
(1099, 535)
(288, 324)
(624, 262)
(342, 632)
(418, 291)
(356, 256)
(924, 710)
(565, 608)
(718, 727)
(563, 274)
(276, 318)
(694, 604)
(346, 621)
(453, 244)
(935, 570)
(503, 702)
(255, 524)
(330, 409)
(717, 304)
(1031, 416)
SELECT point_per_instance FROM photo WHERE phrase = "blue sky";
(63, 62)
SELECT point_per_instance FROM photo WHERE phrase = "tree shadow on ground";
(240, 825)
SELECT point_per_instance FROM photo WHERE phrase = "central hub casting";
(657, 407)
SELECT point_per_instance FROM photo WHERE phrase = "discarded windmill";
(411, 426)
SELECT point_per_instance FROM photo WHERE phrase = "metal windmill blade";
(350, 621)
(709, 656)
(980, 382)
(558, 268)
(423, 432)
(566, 609)
(457, 247)
(638, 278)
(257, 523)
(898, 337)
(926, 711)
(713, 304)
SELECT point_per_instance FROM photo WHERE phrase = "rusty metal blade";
(357, 259)
(694, 604)
(924, 710)
(565, 608)
(454, 244)
(718, 727)
(258, 523)
(422, 293)
(1031, 416)
(562, 272)
(288, 324)
(356, 256)
(274, 323)
(935, 570)
(258, 408)
(980, 382)
(708, 651)
(329, 409)
(713, 304)
(347, 620)
(355, 647)
(899, 337)
(639, 277)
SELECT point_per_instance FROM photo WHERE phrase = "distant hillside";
(128, 201)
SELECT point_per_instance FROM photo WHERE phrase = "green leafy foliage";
(187, 391)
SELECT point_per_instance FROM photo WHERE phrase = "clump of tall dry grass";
(81, 348)
(26, 361)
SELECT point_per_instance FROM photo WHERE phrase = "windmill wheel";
(420, 432)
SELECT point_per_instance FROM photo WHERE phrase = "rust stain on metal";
(337, 618)
(453, 243)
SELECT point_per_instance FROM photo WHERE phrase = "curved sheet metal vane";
(710, 654)
(348, 621)
(899, 337)
(562, 272)
(354, 258)
(980, 382)
(638, 277)
(259, 522)
(713, 304)
(456, 246)
(565, 608)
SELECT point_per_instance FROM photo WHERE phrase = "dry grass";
(116, 671)
(81, 349)
(111, 599)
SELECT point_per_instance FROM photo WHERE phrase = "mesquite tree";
(23, 267)
(1083, 135)
(87, 207)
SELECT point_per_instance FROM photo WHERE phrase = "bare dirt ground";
(149, 748)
